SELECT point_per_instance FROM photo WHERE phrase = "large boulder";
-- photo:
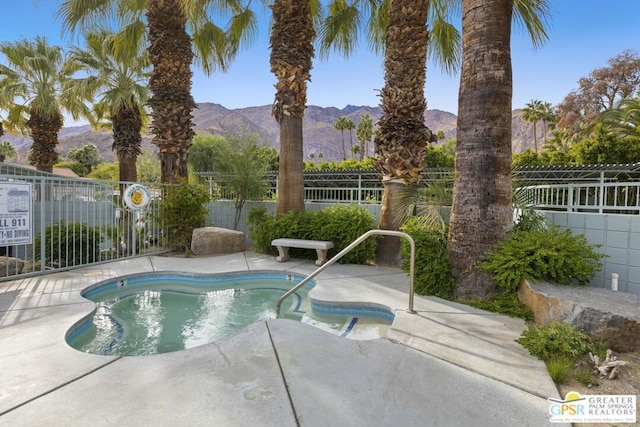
(610, 316)
(10, 266)
(216, 240)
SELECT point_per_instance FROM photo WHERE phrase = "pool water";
(159, 314)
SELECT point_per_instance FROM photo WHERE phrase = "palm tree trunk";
(171, 54)
(402, 139)
(44, 131)
(481, 212)
(291, 170)
(292, 52)
(127, 139)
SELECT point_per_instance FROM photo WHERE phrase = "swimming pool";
(151, 314)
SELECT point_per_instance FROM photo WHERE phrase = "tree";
(292, 52)
(624, 120)
(548, 117)
(341, 125)
(7, 150)
(600, 91)
(481, 210)
(118, 81)
(30, 90)
(171, 52)
(105, 171)
(241, 165)
(364, 133)
(205, 149)
(532, 113)
(402, 140)
(606, 148)
(350, 126)
(148, 166)
(87, 155)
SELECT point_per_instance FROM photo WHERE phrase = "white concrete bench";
(320, 246)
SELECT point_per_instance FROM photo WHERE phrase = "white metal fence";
(607, 197)
(51, 223)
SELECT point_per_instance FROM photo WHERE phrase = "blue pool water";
(169, 312)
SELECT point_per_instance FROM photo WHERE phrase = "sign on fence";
(15, 213)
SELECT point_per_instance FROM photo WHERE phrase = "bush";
(556, 340)
(340, 224)
(505, 303)
(432, 275)
(71, 244)
(547, 253)
(183, 209)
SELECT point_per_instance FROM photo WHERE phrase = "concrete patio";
(446, 365)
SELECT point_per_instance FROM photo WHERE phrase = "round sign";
(136, 197)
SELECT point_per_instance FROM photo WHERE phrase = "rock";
(31, 266)
(216, 240)
(10, 266)
(609, 316)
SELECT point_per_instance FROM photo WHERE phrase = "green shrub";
(556, 340)
(432, 275)
(340, 224)
(529, 220)
(505, 303)
(70, 244)
(183, 209)
(548, 254)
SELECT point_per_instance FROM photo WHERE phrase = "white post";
(614, 281)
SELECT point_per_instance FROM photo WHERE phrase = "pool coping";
(38, 367)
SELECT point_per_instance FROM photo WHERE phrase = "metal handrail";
(347, 250)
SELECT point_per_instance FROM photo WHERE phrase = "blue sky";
(583, 35)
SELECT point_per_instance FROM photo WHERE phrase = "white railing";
(607, 197)
(69, 223)
(358, 195)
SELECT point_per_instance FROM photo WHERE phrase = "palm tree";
(171, 52)
(88, 156)
(31, 91)
(548, 117)
(532, 113)
(624, 120)
(481, 208)
(364, 133)
(292, 52)
(6, 150)
(401, 137)
(118, 80)
(402, 140)
(350, 126)
(341, 125)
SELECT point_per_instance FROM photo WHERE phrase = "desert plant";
(432, 275)
(183, 209)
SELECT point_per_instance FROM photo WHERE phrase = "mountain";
(319, 134)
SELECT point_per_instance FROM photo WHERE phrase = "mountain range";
(319, 133)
